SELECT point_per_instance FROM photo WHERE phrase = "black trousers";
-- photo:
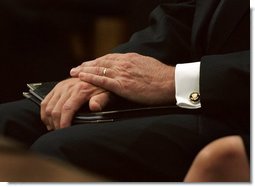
(143, 149)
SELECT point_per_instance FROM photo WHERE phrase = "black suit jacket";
(215, 32)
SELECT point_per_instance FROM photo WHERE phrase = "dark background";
(42, 40)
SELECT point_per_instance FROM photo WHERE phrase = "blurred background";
(42, 40)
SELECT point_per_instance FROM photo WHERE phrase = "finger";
(91, 63)
(70, 107)
(101, 71)
(74, 72)
(101, 81)
(100, 63)
(98, 102)
(56, 112)
(49, 108)
(43, 114)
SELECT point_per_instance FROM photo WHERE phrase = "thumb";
(98, 102)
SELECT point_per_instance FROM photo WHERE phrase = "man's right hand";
(60, 105)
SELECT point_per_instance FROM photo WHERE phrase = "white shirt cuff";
(187, 85)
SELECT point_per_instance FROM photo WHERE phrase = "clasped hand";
(135, 77)
(66, 98)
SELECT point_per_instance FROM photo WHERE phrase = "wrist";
(170, 85)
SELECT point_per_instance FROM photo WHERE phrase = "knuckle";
(67, 107)
(81, 86)
(126, 64)
(96, 61)
(55, 114)
(108, 56)
(132, 55)
(48, 111)
(98, 71)
(60, 84)
(103, 81)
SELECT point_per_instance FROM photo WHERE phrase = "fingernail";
(95, 107)
(48, 128)
(73, 71)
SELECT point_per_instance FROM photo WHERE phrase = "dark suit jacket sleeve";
(225, 83)
(168, 36)
(224, 79)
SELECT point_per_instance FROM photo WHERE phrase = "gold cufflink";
(194, 97)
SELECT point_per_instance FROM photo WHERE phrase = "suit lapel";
(226, 17)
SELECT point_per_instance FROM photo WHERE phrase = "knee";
(222, 152)
(6, 112)
(50, 144)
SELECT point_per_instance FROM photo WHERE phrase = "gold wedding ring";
(104, 71)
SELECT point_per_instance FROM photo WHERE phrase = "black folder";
(121, 109)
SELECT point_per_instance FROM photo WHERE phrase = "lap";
(20, 120)
(153, 148)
